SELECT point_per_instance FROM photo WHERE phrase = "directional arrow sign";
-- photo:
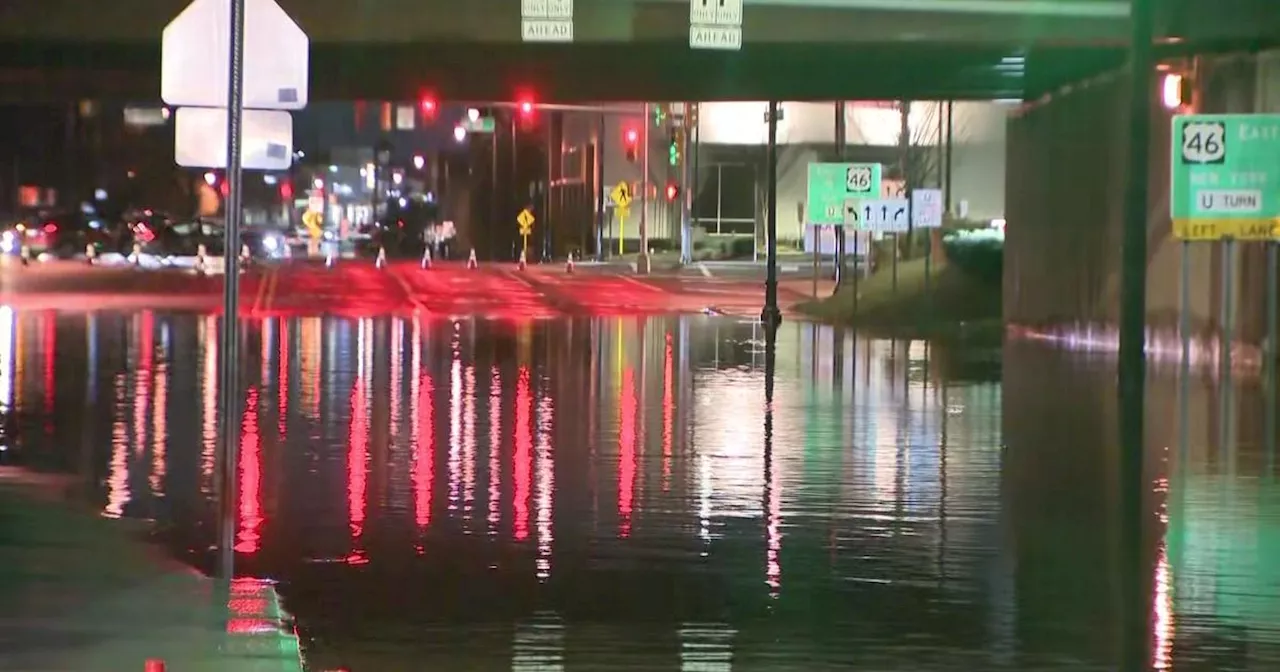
(886, 215)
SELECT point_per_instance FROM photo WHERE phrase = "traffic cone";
(26, 255)
(381, 260)
(201, 252)
(568, 266)
(135, 257)
(328, 257)
(426, 257)
(90, 253)
(471, 260)
(521, 264)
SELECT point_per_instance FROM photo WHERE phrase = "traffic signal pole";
(643, 264)
(686, 194)
(771, 316)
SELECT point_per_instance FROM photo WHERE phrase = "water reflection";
(642, 493)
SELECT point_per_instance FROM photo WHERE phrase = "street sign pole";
(229, 363)
(1184, 337)
(771, 316)
(1273, 325)
(1226, 332)
(839, 256)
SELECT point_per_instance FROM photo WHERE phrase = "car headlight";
(271, 243)
(7, 242)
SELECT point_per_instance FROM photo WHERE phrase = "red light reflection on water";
(468, 444)
(357, 469)
(282, 381)
(522, 461)
(495, 450)
(142, 380)
(626, 451)
(546, 484)
(50, 337)
(668, 415)
(424, 471)
(248, 538)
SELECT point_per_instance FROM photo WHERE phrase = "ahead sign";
(194, 65)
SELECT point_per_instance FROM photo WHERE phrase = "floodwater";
(614, 494)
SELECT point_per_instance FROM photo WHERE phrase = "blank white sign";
(195, 57)
(200, 139)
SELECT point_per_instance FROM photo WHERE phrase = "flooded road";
(616, 494)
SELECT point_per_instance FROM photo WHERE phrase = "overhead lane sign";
(1225, 176)
(546, 20)
(715, 24)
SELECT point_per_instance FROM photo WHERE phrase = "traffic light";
(286, 191)
(673, 192)
(631, 142)
(525, 108)
(675, 154)
(427, 103)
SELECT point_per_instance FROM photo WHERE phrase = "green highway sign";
(1225, 176)
(831, 184)
(480, 125)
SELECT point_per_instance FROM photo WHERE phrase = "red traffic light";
(526, 107)
(632, 136)
(286, 191)
(673, 191)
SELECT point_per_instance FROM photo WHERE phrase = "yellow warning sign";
(525, 219)
(621, 195)
(312, 221)
(1219, 229)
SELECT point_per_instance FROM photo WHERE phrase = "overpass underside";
(54, 50)
(1066, 176)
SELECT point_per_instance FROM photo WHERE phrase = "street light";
(473, 114)
(419, 161)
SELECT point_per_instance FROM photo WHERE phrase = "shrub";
(979, 253)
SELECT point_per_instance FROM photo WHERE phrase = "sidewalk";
(79, 592)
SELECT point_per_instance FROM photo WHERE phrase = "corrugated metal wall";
(1066, 174)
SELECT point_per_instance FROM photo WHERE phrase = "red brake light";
(50, 227)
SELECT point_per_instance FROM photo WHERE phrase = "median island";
(962, 301)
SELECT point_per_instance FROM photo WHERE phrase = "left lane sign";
(194, 68)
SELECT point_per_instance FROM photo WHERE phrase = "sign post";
(255, 68)
(621, 197)
(926, 213)
(525, 220)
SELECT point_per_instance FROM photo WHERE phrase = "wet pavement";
(614, 493)
(356, 288)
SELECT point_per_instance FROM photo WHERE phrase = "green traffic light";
(674, 154)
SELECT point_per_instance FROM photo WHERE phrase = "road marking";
(259, 296)
(417, 303)
(641, 283)
(706, 272)
(270, 297)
